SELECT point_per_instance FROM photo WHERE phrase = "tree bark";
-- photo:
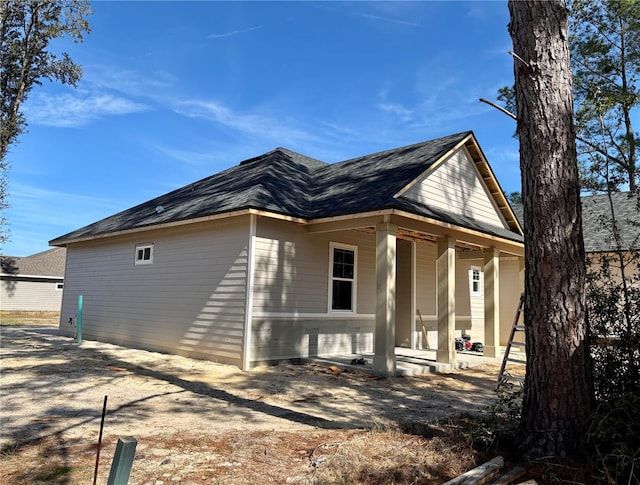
(558, 386)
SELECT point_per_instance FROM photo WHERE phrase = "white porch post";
(446, 269)
(416, 337)
(248, 313)
(384, 359)
(491, 302)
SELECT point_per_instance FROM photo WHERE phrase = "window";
(342, 270)
(59, 286)
(475, 281)
(144, 254)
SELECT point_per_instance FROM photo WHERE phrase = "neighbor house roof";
(288, 183)
(596, 221)
(47, 263)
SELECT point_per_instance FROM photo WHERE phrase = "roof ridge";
(461, 135)
(283, 150)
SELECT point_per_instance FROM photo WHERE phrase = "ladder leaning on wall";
(515, 327)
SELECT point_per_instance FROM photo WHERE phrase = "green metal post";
(122, 461)
(79, 322)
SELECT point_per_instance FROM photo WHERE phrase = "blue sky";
(176, 91)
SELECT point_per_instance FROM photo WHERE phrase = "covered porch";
(401, 343)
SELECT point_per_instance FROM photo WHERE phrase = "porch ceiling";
(423, 238)
(421, 229)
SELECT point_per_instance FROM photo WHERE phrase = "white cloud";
(254, 124)
(132, 83)
(390, 19)
(405, 114)
(78, 109)
(233, 32)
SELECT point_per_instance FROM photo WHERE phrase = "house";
(596, 222)
(284, 256)
(32, 283)
(597, 228)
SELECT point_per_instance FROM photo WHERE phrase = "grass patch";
(29, 318)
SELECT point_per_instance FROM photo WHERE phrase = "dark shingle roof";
(596, 225)
(277, 181)
(289, 183)
(370, 182)
(596, 217)
(46, 263)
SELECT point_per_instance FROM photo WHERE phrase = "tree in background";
(26, 28)
(605, 55)
(558, 387)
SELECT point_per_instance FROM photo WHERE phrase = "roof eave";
(62, 242)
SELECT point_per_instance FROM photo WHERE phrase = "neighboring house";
(284, 256)
(32, 283)
(596, 222)
(597, 226)
(599, 243)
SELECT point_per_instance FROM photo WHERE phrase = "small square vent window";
(144, 254)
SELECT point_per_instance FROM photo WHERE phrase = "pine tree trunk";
(558, 395)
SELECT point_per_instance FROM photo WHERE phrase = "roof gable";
(371, 182)
(455, 185)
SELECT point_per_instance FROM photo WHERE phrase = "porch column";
(384, 359)
(446, 270)
(491, 302)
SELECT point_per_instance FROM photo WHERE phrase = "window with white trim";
(475, 281)
(144, 254)
(59, 286)
(342, 281)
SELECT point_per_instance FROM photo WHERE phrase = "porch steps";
(504, 376)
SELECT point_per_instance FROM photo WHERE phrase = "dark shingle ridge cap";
(304, 159)
(390, 151)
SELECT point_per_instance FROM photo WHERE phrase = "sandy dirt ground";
(54, 389)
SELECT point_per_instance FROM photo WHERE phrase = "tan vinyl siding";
(404, 292)
(292, 269)
(469, 307)
(456, 186)
(291, 288)
(190, 301)
(287, 338)
(426, 291)
(30, 294)
(510, 292)
(469, 310)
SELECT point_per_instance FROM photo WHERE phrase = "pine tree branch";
(498, 107)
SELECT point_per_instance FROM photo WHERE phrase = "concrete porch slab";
(409, 362)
